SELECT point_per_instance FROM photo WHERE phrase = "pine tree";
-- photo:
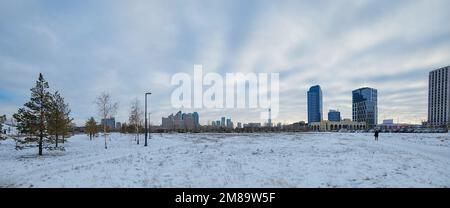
(59, 121)
(91, 127)
(32, 118)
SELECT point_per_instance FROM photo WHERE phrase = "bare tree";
(135, 119)
(106, 109)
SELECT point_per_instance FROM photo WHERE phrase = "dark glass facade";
(315, 104)
(364, 108)
(334, 115)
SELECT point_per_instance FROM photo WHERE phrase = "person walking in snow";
(376, 134)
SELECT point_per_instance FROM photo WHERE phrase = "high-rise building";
(196, 119)
(239, 125)
(189, 121)
(181, 121)
(223, 124)
(364, 106)
(334, 115)
(269, 121)
(229, 124)
(168, 122)
(439, 97)
(178, 122)
(109, 122)
(315, 104)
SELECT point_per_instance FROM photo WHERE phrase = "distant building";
(334, 115)
(239, 125)
(364, 106)
(181, 121)
(337, 125)
(229, 124)
(252, 125)
(297, 126)
(388, 121)
(196, 119)
(279, 125)
(109, 122)
(223, 124)
(315, 104)
(269, 122)
(439, 97)
(168, 122)
(189, 121)
(388, 125)
(118, 125)
(178, 122)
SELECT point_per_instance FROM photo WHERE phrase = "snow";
(234, 160)
(10, 129)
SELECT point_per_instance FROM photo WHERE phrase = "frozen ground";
(231, 160)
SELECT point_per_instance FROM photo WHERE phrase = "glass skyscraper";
(364, 108)
(315, 104)
(334, 115)
(196, 119)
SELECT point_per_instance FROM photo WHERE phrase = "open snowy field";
(234, 160)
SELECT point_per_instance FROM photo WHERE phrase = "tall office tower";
(269, 122)
(196, 119)
(364, 106)
(178, 122)
(334, 115)
(229, 124)
(223, 124)
(439, 97)
(315, 104)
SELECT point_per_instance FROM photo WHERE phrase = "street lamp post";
(146, 129)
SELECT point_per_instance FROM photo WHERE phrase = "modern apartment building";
(439, 97)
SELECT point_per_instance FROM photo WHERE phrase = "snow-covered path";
(235, 160)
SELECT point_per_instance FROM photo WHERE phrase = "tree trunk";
(90, 136)
(41, 135)
(63, 138)
(56, 140)
(104, 133)
(137, 134)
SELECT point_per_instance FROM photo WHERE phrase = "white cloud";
(130, 47)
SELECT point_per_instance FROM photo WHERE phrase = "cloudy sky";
(125, 48)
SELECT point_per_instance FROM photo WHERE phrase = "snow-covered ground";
(235, 160)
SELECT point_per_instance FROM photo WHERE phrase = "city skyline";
(129, 48)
